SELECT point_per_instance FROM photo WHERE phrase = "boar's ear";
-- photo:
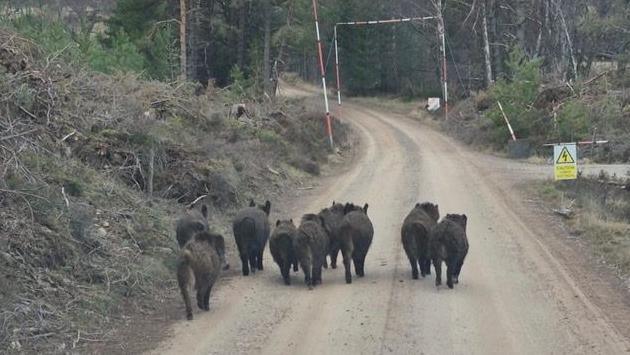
(267, 207)
(465, 219)
(204, 211)
(252, 203)
(277, 223)
(365, 208)
(333, 203)
(291, 220)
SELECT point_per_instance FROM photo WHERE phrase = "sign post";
(565, 161)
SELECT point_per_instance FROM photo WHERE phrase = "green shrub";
(123, 56)
(516, 94)
(573, 121)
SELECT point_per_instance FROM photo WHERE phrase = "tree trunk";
(242, 34)
(543, 26)
(496, 40)
(182, 39)
(267, 50)
(569, 43)
(486, 45)
(520, 25)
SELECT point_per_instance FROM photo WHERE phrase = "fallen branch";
(595, 77)
(27, 112)
(564, 212)
(65, 198)
(190, 205)
(276, 172)
(68, 136)
(17, 135)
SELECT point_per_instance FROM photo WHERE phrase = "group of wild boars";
(341, 227)
(426, 240)
(415, 236)
(281, 248)
(251, 231)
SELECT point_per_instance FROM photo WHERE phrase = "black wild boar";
(191, 223)
(449, 243)
(199, 259)
(332, 217)
(415, 236)
(355, 237)
(281, 248)
(311, 244)
(251, 231)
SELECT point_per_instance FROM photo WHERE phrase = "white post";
(337, 74)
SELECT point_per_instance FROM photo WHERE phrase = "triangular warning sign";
(565, 157)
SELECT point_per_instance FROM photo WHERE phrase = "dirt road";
(514, 297)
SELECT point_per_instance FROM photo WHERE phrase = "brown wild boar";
(448, 242)
(251, 231)
(415, 236)
(199, 265)
(332, 217)
(193, 222)
(281, 248)
(355, 237)
(310, 244)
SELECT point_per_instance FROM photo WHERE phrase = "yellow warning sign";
(565, 158)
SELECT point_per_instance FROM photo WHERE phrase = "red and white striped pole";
(323, 72)
(337, 75)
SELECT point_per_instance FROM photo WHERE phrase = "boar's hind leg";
(201, 293)
(245, 261)
(206, 299)
(425, 266)
(359, 261)
(285, 268)
(260, 259)
(317, 274)
(334, 252)
(414, 267)
(450, 270)
(458, 269)
(347, 258)
(437, 264)
(182, 279)
(253, 262)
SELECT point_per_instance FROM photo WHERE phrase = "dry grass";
(601, 215)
